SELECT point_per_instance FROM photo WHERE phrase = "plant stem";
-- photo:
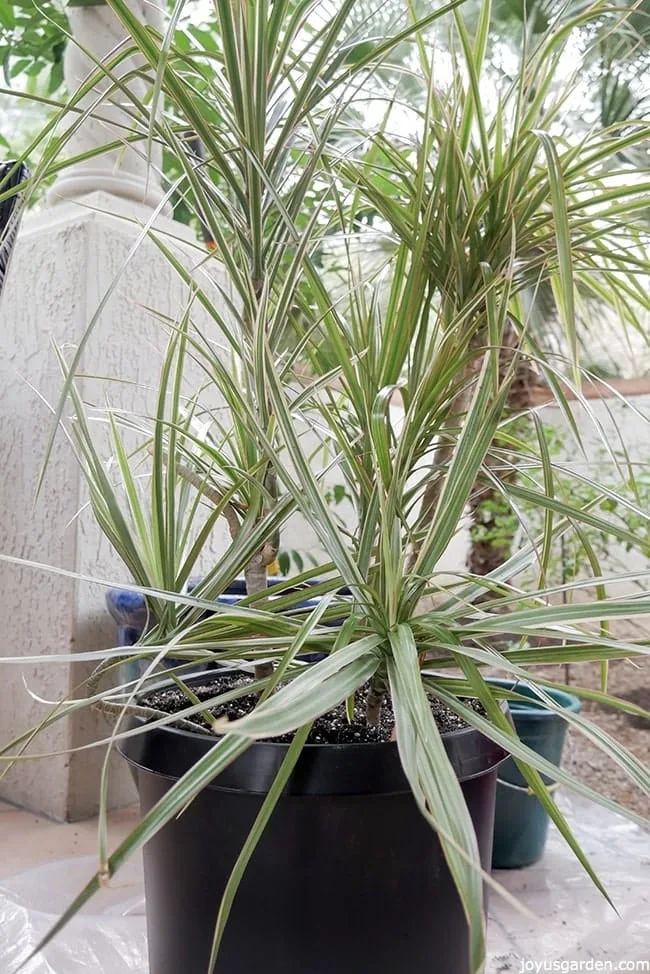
(230, 512)
(255, 572)
(374, 701)
(255, 575)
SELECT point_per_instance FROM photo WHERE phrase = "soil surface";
(628, 680)
(332, 728)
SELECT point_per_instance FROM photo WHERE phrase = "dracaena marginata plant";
(316, 339)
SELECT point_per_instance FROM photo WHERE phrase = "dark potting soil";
(332, 728)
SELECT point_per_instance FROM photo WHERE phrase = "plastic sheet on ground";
(572, 921)
(107, 937)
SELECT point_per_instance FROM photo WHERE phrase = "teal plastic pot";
(521, 823)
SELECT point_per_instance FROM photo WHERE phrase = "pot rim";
(321, 768)
(536, 710)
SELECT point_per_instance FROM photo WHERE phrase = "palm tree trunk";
(492, 527)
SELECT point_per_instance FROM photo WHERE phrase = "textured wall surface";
(66, 260)
(42, 299)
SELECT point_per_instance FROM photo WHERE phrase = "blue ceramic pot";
(129, 609)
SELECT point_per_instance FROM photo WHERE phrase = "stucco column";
(129, 170)
(67, 259)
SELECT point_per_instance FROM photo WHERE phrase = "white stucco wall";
(65, 261)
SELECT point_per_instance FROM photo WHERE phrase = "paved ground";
(28, 840)
(572, 922)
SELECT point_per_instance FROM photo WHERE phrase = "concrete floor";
(27, 840)
(43, 864)
(572, 923)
